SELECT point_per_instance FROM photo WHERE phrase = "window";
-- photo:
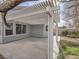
(46, 27)
(18, 29)
(24, 29)
(0, 28)
(9, 30)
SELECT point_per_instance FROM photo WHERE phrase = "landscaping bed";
(70, 50)
(74, 34)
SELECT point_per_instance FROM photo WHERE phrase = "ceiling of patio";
(34, 19)
(22, 14)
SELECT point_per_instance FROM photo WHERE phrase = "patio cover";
(37, 12)
(44, 12)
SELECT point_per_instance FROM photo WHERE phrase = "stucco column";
(14, 28)
(50, 37)
(2, 29)
(57, 38)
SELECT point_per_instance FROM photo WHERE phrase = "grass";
(72, 50)
(69, 48)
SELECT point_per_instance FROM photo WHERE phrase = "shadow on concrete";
(1, 57)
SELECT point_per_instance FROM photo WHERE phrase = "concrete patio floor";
(29, 48)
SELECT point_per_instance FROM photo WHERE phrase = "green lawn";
(72, 50)
(69, 48)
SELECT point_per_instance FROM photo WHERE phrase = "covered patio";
(36, 24)
(29, 48)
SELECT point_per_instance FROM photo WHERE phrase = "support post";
(50, 35)
(53, 48)
(2, 30)
(57, 38)
(14, 28)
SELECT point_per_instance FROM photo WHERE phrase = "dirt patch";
(72, 57)
(74, 40)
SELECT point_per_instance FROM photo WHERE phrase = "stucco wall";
(1, 39)
(15, 36)
(35, 30)
(39, 30)
(45, 33)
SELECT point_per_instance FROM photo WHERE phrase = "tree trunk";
(8, 5)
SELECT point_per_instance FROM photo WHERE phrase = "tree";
(7, 5)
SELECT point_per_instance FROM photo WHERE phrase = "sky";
(27, 4)
(30, 3)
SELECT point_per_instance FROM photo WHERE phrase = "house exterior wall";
(39, 30)
(1, 39)
(45, 33)
(14, 37)
(9, 38)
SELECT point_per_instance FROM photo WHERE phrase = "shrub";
(60, 56)
(65, 33)
(74, 34)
